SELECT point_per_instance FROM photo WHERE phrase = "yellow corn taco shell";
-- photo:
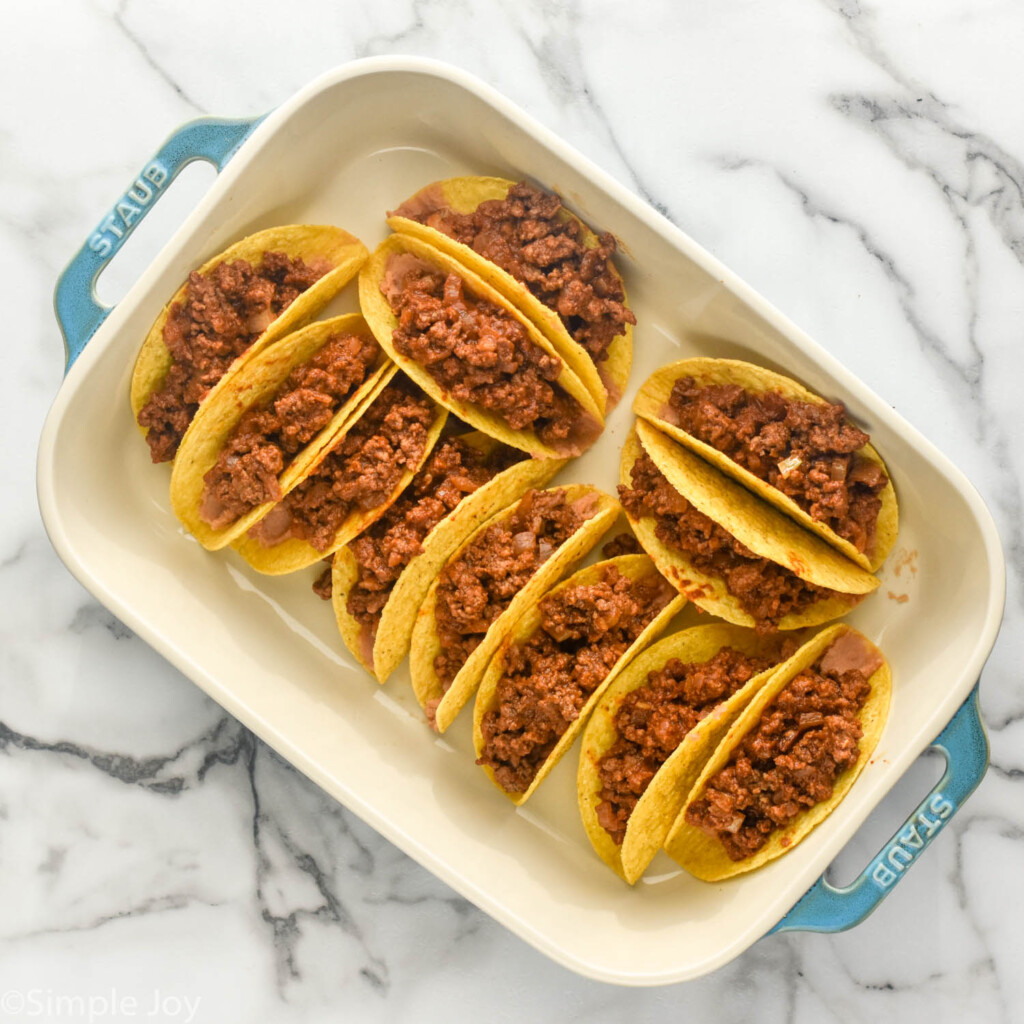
(311, 242)
(651, 403)
(633, 566)
(443, 704)
(703, 855)
(661, 802)
(254, 382)
(383, 322)
(607, 380)
(381, 653)
(753, 522)
(293, 554)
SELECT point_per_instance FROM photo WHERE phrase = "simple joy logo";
(129, 208)
(96, 1007)
(908, 843)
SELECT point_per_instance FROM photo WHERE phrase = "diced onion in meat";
(523, 541)
(260, 321)
(787, 466)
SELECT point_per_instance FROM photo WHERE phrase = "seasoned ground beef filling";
(766, 590)
(524, 235)
(267, 438)
(789, 762)
(621, 544)
(474, 589)
(323, 584)
(453, 470)
(477, 351)
(654, 719)
(222, 314)
(804, 449)
(584, 630)
(360, 472)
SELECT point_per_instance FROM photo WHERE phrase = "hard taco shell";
(657, 808)
(256, 380)
(606, 381)
(753, 522)
(382, 654)
(425, 642)
(633, 566)
(343, 251)
(383, 322)
(293, 554)
(703, 855)
(651, 403)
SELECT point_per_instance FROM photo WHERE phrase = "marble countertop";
(862, 166)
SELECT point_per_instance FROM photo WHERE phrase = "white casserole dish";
(346, 148)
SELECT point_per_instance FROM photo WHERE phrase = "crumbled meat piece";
(585, 629)
(323, 585)
(807, 737)
(766, 590)
(621, 544)
(268, 437)
(480, 354)
(222, 314)
(806, 450)
(358, 474)
(477, 586)
(453, 470)
(525, 236)
(655, 718)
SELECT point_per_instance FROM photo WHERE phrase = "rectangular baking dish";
(343, 150)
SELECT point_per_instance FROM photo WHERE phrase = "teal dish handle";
(79, 311)
(824, 908)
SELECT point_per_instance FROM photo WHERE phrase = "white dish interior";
(346, 149)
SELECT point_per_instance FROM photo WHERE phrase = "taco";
(728, 551)
(473, 351)
(234, 305)
(654, 729)
(551, 670)
(788, 759)
(496, 575)
(254, 440)
(352, 482)
(542, 258)
(784, 443)
(378, 581)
